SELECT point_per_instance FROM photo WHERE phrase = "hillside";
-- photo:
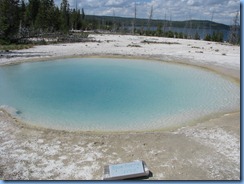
(200, 24)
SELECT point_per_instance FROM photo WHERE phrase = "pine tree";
(32, 11)
(22, 10)
(208, 37)
(65, 18)
(197, 36)
(75, 19)
(22, 16)
(83, 14)
(44, 20)
(9, 20)
(56, 19)
(52, 16)
(79, 21)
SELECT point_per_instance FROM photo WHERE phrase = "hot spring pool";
(91, 94)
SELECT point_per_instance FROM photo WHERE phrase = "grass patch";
(200, 52)
(15, 47)
(133, 46)
(155, 42)
(194, 47)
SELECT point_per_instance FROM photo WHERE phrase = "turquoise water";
(92, 94)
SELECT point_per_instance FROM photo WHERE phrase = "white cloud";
(116, 3)
(223, 10)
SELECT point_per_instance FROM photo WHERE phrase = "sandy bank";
(209, 150)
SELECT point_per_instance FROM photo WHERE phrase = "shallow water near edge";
(91, 94)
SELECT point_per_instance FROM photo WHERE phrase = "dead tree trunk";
(150, 19)
(134, 21)
(234, 37)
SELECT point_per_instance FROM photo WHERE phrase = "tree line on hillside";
(19, 19)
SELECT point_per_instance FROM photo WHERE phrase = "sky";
(221, 11)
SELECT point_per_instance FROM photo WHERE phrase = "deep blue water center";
(99, 94)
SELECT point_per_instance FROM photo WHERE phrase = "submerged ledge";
(22, 124)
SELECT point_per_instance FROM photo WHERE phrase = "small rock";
(40, 141)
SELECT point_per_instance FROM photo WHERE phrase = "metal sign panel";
(126, 169)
